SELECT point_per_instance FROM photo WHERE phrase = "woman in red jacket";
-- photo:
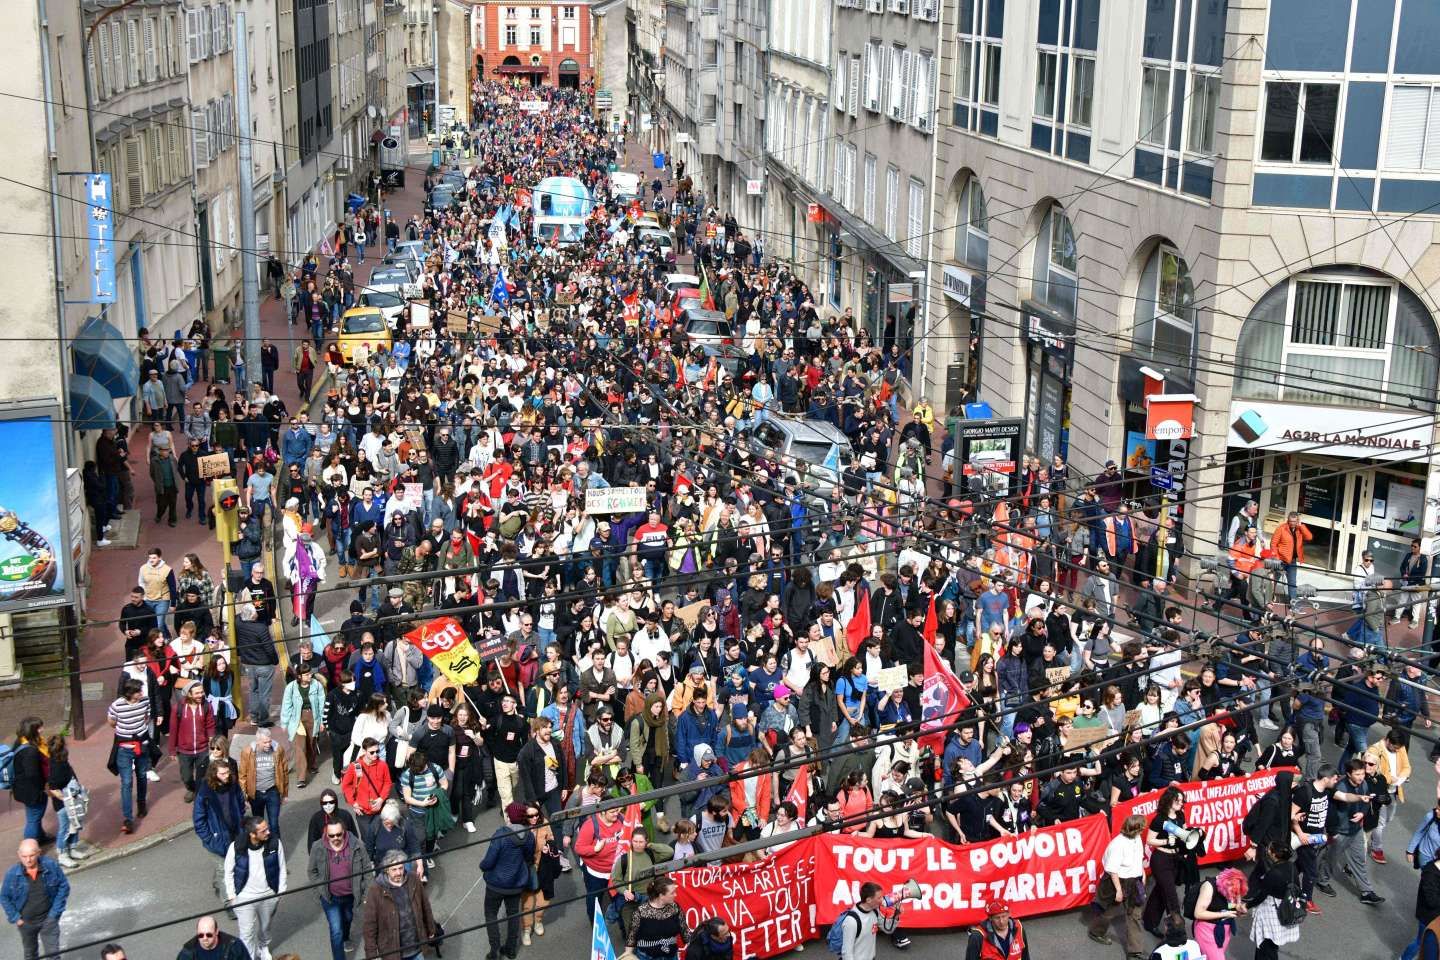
(598, 843)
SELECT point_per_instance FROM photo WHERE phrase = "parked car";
(701, 326)
(817, 448)
(363, 326)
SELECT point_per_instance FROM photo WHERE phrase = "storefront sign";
(1328, 431)
(754, 188)
(1170, 416)
(956, 284)
(102, 238)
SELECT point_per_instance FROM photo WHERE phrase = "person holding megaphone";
(1172, 860)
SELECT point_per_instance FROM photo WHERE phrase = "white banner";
(615, 500)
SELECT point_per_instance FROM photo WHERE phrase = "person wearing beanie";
(999, 937)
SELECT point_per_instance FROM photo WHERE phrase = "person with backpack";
(506, 869)
(1000, 937)
(1276, 902)
(23, 772)
(852, 935)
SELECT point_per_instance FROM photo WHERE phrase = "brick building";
(540, 42)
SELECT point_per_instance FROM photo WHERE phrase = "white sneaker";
(103, 542)
(1268, 724)
(76, 853)
(525, 938)
(565, 865)
(334, 780)
(469, 827)
(152, 776)
(66, 861)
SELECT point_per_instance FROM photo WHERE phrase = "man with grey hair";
(398, 920)
(395, 833)
(1247, 517)
(255, 648)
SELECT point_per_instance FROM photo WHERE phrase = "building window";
(1204, 104)
(1154, 103)
(874, 64)
(709, 108)
(892, 200)
(899, 80)
(1056, 263)
(511, 36)
(1412, 136)
(1299, 122)
(534, 36)
(922, 111)
(1047, 82)
(568, 13)
(972, 233)
(1082, 90)
(915, 222)
(710, 54)
(870, 173)
(1165, 309)
(842, 81)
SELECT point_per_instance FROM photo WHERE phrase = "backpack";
(835, 938)
(1290, 909)
(7, 766)
(1258, 817)
(1192, 896)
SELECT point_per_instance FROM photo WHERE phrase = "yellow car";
(364, 328)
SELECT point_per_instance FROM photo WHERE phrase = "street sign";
(1161, 479)
(754, 187)
(101, 234)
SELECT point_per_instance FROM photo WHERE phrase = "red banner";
(769, 905)
(1043, 871)
(793, 896)
(1216, 806)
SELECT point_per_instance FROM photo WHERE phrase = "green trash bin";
(221, 363)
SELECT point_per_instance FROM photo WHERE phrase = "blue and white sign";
(1161, 479)
(101, 231)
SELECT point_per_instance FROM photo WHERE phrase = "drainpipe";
(58, 249)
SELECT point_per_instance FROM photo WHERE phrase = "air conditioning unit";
(873, 104)
(923, 122)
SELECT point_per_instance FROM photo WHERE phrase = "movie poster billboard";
(34, 540)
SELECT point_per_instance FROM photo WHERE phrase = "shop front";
(964, 291)
(1358, 478)
(1049, 341)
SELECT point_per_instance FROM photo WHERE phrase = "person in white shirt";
(1121, 890)
(254, 875)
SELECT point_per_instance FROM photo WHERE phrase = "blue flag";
(600, 946)
(500, 293)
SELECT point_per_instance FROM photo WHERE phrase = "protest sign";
(1216, 806)
(414, 495)
(690, 613)
(889, 678)
(214, 465)
(444, 641)
(770, 905)
(1054, 675)
(615, 500)
(1044, 871)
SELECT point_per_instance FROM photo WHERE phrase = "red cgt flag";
(941, 700)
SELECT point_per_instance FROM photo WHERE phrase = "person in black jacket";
(342, 703)
(28, 770)
(211, 941)
(258, 660)
(1274, 873)
(531, 765)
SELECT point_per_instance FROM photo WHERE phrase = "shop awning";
(102, 355)
(521, 68)
(90, 405)
(424, 76)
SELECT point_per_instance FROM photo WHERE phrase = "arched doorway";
(1332, 414)
(1048, 334)
(963, 287)
(569, 74)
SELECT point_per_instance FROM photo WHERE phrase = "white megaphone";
(1189, 837)
(909, 890)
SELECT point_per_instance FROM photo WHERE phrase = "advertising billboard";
(35, 569)
(988, 455)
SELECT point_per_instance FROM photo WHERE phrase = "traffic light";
(227, 521)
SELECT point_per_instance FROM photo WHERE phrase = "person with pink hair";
(1219, 902)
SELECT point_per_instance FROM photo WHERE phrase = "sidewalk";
(113, 572)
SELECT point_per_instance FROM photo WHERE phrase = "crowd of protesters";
(741, 619)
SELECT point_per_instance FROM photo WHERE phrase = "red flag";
(931, 623)
(941, 700)
(859, 626)
(799, 793)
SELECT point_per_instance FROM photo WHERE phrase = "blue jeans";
(266, 803)
(34, 819)
(1291, 569)
(162, 614)
(339, 912)
(1356, 741)
(132, 767)
(65, 835)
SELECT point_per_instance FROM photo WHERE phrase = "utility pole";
(249, 269)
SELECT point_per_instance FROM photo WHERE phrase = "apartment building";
(797, 139)
(266, 123)
(209, 45)
(1250, 218)
(536, 43)
(714, 99)
(874, 218)
(645, 30)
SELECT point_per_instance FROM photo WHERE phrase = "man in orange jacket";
(1288, 542)
(1244, 558)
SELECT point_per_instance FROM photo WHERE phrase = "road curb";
(111, 854)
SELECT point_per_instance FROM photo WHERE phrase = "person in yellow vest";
(158, 581)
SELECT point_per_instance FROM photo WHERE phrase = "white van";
(625, 187)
